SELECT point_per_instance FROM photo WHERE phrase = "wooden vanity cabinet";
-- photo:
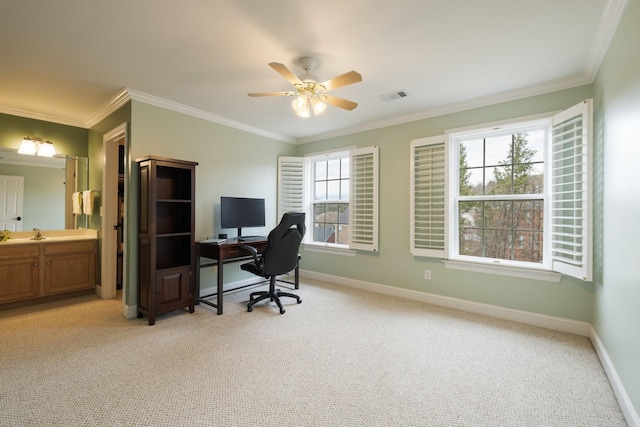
(37, 270)
(19, 273)
(69, 266)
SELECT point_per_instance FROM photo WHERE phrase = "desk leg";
(220, 286)
(196, 285)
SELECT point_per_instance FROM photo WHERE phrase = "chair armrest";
(253, 251)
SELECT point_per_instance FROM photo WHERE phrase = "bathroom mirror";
(48, 186)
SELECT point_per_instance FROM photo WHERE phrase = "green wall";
(68, 140)
(231, 162)
(616, 317)
(393, 265)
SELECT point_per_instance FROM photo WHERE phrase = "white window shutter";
(429, 213)
(363, 199)
(571, 218)
(290, 185)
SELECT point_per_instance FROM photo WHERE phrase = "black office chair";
(281, 256)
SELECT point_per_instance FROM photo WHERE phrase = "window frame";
(568, 226)
(295, 193)
(487, 131)
(311, 164)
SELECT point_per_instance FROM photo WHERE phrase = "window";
(330, 199)
(338, 191)
(515, 195)
(500, 193)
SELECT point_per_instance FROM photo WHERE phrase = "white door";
(11, 197)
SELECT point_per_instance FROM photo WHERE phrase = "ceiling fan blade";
(271, 94)
(338, 102)
(284, 72)
(342, 80)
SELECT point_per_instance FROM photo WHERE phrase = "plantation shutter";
(428, 212)
(363, 199)
(290, 185)
(571, 162)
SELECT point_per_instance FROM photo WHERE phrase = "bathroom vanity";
(63, 262)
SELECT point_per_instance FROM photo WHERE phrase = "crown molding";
(120, 99)
(201, 114)
(43, 117)
(548, 87)
(609, 21)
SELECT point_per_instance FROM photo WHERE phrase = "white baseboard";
(129, 311)
(529, 318)
(630, 414)
(549, 322)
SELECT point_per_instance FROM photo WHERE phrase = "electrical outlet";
(427, 275)
(215, 269)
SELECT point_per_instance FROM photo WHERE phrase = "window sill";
(328, 249)
(502, 270)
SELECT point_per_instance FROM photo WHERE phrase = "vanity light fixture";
(36, 146)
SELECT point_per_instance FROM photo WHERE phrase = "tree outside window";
(501, 196)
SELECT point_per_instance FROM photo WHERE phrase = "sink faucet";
(38, 235)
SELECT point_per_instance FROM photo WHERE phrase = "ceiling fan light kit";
(310, 95)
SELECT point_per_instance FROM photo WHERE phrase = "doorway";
(114, 183)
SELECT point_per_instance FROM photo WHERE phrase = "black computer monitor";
(241, 212)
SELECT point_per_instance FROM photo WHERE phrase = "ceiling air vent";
(393, 96)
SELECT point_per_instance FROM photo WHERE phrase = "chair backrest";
(281, 254)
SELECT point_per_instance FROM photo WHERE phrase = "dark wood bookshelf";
(166, 245)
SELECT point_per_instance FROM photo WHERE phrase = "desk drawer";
(234, 251)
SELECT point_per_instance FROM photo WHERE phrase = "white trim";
(201, 114)
(328, 249)
(239, 284)
(43, 117)
(575, 327)
(109, 210)
(129, 311)
(553, 86)
(120, 99)
(629, 412)
(503, 270)
(609, 20)
(535, 319)
(531, 120)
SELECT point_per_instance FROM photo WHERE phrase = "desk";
(223, 253)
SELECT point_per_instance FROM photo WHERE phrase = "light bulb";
(318, 106)
(300, 104)
(28, 146)
(46, 149)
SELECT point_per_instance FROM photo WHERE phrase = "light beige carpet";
(343, 357)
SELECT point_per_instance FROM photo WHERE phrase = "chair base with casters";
(272, 294)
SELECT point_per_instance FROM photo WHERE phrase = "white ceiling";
(67, 61)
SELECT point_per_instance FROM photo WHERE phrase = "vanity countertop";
(49, 236)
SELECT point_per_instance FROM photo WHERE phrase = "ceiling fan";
(311, 95)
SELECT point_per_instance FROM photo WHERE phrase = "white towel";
(88, 199)
(77, 203)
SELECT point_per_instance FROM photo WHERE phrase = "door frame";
(108, 265)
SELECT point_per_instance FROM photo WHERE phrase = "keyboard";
(251, 238)
(215, 241)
